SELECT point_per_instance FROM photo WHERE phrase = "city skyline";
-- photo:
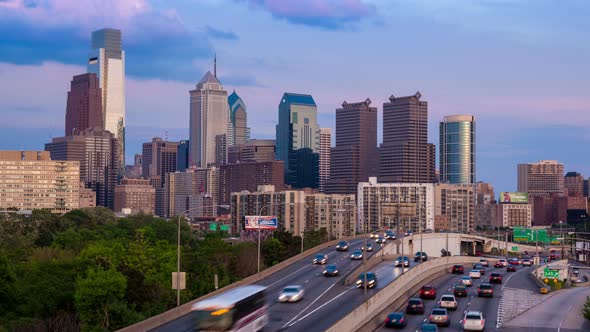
(517, 100)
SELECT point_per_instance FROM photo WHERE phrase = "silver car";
(357, 254)
(473, 321)
(291, 293)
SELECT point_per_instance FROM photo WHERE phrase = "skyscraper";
(107, 61)
(84, 107)
(457, 149)
(355, 157)
(298, 141)
(574, 183)
(325, 145)
(159, 159)
(406, 155)
(239, 120)
(182, 155)
(209, 122)
(542, 179)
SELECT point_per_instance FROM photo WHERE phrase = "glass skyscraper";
(457, 149)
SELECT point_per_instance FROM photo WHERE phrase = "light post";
(258, 227)
(562, 238)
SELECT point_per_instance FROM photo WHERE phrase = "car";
(320, 259)
(427, 327)
(475, 274)
(369, 247)
(420, 256)
(457, 269)
(415, 306)
(448, 301)
(409, 232)
(342, 246)
(357, 254)
(527, 262)
(389, 235)
(503, 262)
(485, 289)
(511, 268)
(473, 321)
(552, 257)
(402, 260)
(331, 270)
(396, 319)
(498, 265)
(467, 281)
(380, 240)
(484, 262)
(513, 261)
(495, 278)
(291, 293)
(479, 267)
(439, 316)
(371, 280)
(576, 271)
(427, 292)
(460, 291)
(374, 235)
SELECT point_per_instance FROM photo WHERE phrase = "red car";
(496, 278)
(427, 292)
(457, 269)
(498, 265)
(511, 268)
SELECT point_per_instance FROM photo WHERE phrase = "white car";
(526, 262)
(503, 262)
(484, 262)
(475, 274)
(473, 321)
(291, 293)
(467, 281)
(357, 254)
(448, 301)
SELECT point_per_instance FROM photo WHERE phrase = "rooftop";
(298, 99)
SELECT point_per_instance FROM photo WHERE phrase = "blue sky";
(521, 67)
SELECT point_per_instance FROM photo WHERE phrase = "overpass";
(328, 300)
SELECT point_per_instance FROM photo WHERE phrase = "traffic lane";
(524, 281)
(341, 300)
(561, 311)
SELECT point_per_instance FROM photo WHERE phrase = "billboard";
(261, 222)
(513, 197)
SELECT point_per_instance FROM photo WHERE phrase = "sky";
(520, 66)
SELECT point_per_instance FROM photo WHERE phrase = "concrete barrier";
(367, 317)
(172, 314)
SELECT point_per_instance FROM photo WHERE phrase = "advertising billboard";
(262, 222)
(513, 197)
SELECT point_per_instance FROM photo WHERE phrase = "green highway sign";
(212, 226)
(224, 228)
(552, 274)
(514, 248)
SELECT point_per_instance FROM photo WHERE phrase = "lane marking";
(323, 305)
(290, 275)
(568, 309)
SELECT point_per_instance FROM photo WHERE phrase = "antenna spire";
(215, 65)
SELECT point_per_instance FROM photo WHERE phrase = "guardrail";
(369, 315)
(172, 314)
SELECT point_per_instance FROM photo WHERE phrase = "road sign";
(514, 248)
(224, 228)
(546, 280)
(547, 273)
(182, 280)
(212, 226)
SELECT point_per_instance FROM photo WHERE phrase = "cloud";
(325, 14)
(157, 42)
(220, 34)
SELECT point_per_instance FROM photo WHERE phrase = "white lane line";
(568, 309)
(313, 302)
(508, 279)
(290, 275)
(323, 305)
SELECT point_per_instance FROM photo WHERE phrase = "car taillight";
(401, 320)
(387, 320)
(430, 317)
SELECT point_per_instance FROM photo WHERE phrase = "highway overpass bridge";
(328, 300)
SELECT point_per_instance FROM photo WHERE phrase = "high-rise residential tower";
(406, 156)
(107, 61)
(239, 120)
(84, 107)
(209, 123)
(298, 141)
(574, 183)
(355, 157)
(542, 179)
(325, 145)
(457, 149)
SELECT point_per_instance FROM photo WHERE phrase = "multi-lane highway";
(326, 299)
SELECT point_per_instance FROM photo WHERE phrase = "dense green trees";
(87, 270)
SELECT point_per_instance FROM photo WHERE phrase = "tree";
(7, 279)
(586, 308)
(273, 251)
(95, 294)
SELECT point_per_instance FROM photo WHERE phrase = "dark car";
(415, 306)
(396, 319)
(371, 280)
(320, 259)
(495, 278)
(458, 269)
(498, 265)
(369, 247)
(331, 270)
(389, 235)
(427, 292)
(478, 266)
(511, 268)
(402, 260)
(427, 327)
(380, 240)
(420, 256)
(460, 291)
(485, 290)
(342, 246)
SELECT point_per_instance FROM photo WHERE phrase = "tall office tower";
(574, 183)
(31, 180)
(406, 155)
(196, 189)
(84, 108)
(541, 179)
(355, 157)
(239, 120)
(96, 151)
(209, 122)
(298, 141)
(457, 149)
(159, 158)
(256, 150)
(134, 171)
(325, 145)
(107, 61)
(248, 176)
(182, 155)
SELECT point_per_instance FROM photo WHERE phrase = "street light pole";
(258, 224)
(562, 238)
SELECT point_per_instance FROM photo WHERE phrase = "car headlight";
(335, 271)
(359, 282)
(372, 281)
